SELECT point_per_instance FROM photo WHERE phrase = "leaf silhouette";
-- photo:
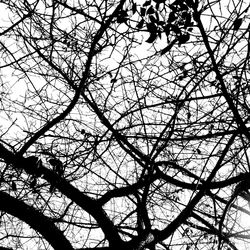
(143, 11)
(152, 19)
(150, 10)
(237, 23)
(13, 186)
(122, 16)
(147, 3)
(140, 24)
(171, 17)
(55, 162)
(183, 38)
(152, 37)
(151, 27)
(33, 183)
(134, 8)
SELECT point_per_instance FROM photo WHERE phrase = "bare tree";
(124, 124)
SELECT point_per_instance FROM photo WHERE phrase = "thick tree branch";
(35, 220)
(88, 204)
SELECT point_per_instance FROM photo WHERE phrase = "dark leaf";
(151, 27)
(143, 11)
(188, 22)
(189, 3)
(123, 13)
(173, 8)
(178, 5)
(161, 23)
(121, 19)
(33, 183)
(55, 162)
(147, 3)
(13, 186)
(152, 37)
(140, 24)
(184, 14)
(152, 19)
(122, 16)
(114, 80)
(150, 10)
(182, 5)
(198, 151)
(134, 8)
(171, 17)
(83, 131)
(176, 29)
(167, 29)
(183, 38)
(237, 23)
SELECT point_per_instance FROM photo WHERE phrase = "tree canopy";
(124, 124)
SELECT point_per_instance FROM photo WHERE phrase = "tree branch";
(35, 220)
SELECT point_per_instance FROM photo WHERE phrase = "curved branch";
(88, 204)
(35, 220)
